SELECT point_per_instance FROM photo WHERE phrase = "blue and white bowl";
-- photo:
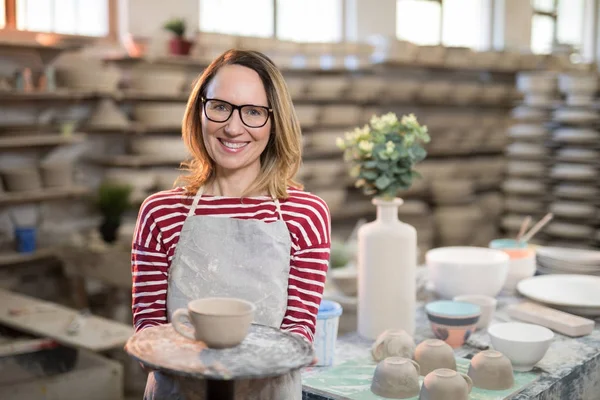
(453, 321)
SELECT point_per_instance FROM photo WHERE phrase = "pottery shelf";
(554, 159)
(57, 95)
(191, 62)
(15, 258)
(386, 65)
(131, 95)
(43, 54)
(136, 161)
(24, 140)
(445, 103)
(8, 198)
(133, 129)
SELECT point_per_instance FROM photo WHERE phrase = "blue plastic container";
(26, 239)
(327, 330)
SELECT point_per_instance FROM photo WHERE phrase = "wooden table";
(265, 352)
(570, 369)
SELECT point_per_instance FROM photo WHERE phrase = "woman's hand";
(314, 361)
(146, 368)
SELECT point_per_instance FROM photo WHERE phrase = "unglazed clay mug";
(393, 343)
(396, 378)
(491, 370)
(446, 384)
(220, 322)
(432, 354)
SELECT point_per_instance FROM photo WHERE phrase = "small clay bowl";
(432, 354)
(396, 378)
(491, 370)
(453, 321)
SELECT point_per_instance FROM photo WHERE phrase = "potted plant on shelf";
(113, 201)
(382, 155)
(178, 45)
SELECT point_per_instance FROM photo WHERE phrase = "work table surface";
(570, 370)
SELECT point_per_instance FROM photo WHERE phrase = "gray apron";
(222, 256)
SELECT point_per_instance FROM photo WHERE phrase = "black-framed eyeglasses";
(252, 116)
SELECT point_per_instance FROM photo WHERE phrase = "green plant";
(177, 26)
(339, 255)
(383, 153)
(113, 200)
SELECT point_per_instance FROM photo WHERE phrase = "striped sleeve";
(308, 270)
(149, 268)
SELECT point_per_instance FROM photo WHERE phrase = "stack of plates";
(560, 260)
(528, 156)
(575, 163)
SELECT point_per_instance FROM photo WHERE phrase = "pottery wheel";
(265, 352)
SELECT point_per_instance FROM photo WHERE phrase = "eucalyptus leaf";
(382, 182)
(383, 155)
(418, 153)
(369, 174)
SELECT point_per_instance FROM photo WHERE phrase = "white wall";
(512, 21)
(512, 25)
(370, 17)
(146, 17)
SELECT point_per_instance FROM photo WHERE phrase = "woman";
(242, 226)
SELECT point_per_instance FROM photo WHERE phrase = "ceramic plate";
(578, 256)
(578, 293)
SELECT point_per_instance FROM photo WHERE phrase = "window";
(297, 20)
(2, 14)
(449, 22)
(557, 22)
(570, 24)
(237, 17)
(419, 21)
(72, 17)
(300, 21)
(463, 23)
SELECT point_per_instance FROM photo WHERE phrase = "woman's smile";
(233, 146)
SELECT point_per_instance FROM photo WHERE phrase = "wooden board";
(39, 140)
(34, 196)
(13, 258)
(50, 320)
(352, 381)
(265, 352)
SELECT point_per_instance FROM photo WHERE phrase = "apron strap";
(196, 201)
(200, 191)
(278, 205)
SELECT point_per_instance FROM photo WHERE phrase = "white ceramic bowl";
(524, 344)
(457, 270)
(486, 303)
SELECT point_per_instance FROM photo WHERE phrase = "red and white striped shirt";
(159, 224)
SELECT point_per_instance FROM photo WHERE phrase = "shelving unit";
(554, 156)
(13, 258)
(48, 194)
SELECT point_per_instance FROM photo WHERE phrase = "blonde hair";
(282, 156)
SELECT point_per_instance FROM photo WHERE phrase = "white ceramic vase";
(387, 262)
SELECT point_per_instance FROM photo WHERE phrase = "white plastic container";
(326, 332)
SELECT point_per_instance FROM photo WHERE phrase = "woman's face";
(233, 145)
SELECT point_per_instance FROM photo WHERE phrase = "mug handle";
(469, 381)
(417, 366)
(181, 316)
